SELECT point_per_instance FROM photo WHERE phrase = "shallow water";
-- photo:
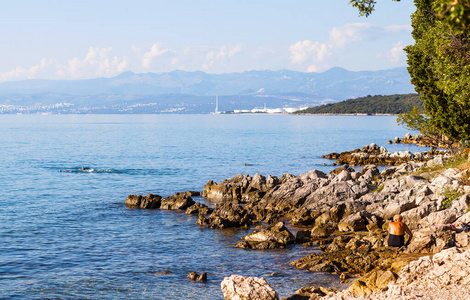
(69, 235)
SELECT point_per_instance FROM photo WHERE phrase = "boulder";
(278, 234)
(353, 222)
(319, 232)
(150, 201)
(396, 208)
(446, 216)
(303, 216)
(238, 287)
(303, 236)
(241, 188)
(227, 215)
(373, 281)
(202, 277)
(177, 201)
(199, 209)
(266, 245)
(436, 161)
(342, 168)
(413, 180)
(462, 239)
(432, 240)
(343, 176)
(310, 293)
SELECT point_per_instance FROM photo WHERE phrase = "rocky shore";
(345, 215)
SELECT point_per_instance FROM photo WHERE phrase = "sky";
(57, 39)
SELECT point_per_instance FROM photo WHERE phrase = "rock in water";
(202, 277)
(150, 201)
(193, 276)
(177, 201)
(279, 233)
(238, 287)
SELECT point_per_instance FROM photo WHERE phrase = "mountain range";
(194, 92)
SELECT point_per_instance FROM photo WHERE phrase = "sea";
(66, 232)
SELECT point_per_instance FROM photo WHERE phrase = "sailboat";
(216, 112)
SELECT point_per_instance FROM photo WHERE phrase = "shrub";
(450, 195)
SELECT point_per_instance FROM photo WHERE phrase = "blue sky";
(86, 39)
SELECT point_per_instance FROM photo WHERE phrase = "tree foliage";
(454, 13)
(439, 66)
(439, 62)
(365, 7)
(417, 121)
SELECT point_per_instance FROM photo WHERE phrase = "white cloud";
(396, 54)
(98, 62)
(21, 73)
(306, 50)
(220, 55)
(318, 53)
(155, 51)
(316, 56)
(349, 33)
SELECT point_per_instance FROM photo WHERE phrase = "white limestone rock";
(238, 287)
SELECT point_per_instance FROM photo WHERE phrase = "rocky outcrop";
(199, 209)
(426, 141)
(432, 240)
(353, 254)
(310, 293)
(150, 201)
(268, 238)
(178, 201)
(373, 154)
(240, 188)
(374, 281)
(445, 276)
(238, 287)
(226, 215)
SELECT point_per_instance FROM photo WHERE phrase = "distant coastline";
(370, 105)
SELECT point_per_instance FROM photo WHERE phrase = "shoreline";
(344, 214)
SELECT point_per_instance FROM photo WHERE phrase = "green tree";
(439, 62)
(416, 120)
(439, 65)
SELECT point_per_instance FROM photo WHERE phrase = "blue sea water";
(69, 235)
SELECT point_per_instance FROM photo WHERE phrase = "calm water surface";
(69, 235)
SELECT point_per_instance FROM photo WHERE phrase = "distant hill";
(194, 92)
(392, 104)
(336, 84)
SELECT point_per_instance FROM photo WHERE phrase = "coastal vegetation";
(391, 104)
(439, 62)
